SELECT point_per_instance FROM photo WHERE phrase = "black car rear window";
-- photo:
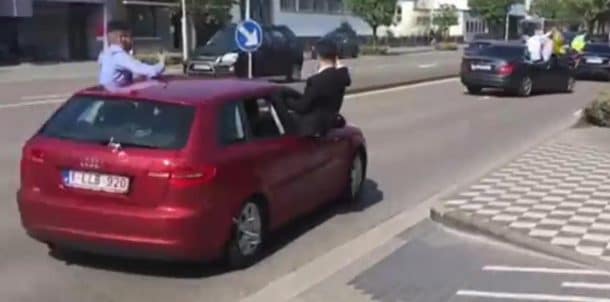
(605, 49)
(502, 52)
(131, 123)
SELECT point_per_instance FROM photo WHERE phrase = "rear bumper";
(593, 70)
(488, 81)
(151, 233)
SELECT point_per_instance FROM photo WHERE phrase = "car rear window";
(503, 52)
(131, 123)
(598, 48)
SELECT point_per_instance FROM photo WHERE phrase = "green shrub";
(598, 112)
(446, 46)
(373, 50)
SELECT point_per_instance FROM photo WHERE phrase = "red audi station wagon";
(180, 169)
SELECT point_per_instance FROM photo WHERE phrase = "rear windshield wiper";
(112, 143)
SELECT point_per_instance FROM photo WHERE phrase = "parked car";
(281, 54)
(183, 169)
(506, 66)
(595, 61)
(348, 43)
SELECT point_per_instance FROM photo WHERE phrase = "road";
(423, 139)
(431, 263)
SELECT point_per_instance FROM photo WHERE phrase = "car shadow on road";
(502, 94)
(371, 195)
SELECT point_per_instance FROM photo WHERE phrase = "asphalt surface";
(432, 263)
(422, 139)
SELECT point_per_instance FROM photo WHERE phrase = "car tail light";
(187, 177)
(506, 70)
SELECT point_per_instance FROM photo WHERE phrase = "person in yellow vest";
(559, 48)
(579, 43)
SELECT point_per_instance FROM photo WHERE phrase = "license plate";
(480, 67)
(96, 182)
(594, 60)
(203, 67)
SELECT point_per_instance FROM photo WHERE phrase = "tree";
(553, 9)
(590, 10)
(445, 17)
(374, 12)
(492, 11)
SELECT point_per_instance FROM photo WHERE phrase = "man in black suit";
(319, 107)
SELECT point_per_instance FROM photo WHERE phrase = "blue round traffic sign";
(248, 35)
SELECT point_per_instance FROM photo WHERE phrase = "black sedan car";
(347, 42)
(280, 54)
(595, 61)
(506, 66)
(476, 45)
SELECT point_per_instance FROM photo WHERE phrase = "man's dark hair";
(327, 49)
(118, 26)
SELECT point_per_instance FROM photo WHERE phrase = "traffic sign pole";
(249, 53)
(249, 37)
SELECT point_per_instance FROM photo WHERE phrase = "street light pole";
(185, 48)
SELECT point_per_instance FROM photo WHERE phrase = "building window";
(320, 6)
(423, 20)
(398, 14)
(143, 21)
(288, 5)
(335, 6)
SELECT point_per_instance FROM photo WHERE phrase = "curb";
(439, 214)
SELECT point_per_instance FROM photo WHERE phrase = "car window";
(279, 38)
(605, 49)
(132, 123)
(502, 52)
(232, 129)
(262, 118)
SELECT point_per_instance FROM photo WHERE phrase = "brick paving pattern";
(558, 193)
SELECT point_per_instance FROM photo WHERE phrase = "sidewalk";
(554, 199)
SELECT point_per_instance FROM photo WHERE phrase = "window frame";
(241, 119)
(250, 137)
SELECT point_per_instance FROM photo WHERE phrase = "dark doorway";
(78, 38)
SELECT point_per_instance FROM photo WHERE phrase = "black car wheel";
(525, 87)
(247, 241)
(357, 176)
(474, 89)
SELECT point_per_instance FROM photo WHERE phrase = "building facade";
(69, 30)
(415, 18)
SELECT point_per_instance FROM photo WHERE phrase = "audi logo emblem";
(90, 163)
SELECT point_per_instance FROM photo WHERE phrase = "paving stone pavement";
(558, 193)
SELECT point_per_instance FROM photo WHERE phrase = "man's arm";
(128, 62)
(303, 104)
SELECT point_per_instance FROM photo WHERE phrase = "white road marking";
(400, 88)
(32, 103)
(426, 66)
(598, 286)
(544, 270)
(528, 297)
(45, 97)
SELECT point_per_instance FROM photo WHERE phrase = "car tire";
(525, 87)
(570, 82)
(474, 89)
(248, 238)
(355, 53)
(294, 75)
(357, 176)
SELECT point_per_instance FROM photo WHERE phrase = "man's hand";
(161, 57)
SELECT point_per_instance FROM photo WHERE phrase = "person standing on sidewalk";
(118, 66)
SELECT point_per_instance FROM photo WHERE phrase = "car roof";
(184, 90)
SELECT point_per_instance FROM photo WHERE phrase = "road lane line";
(426, 66)
(544, 270)
(528, 297)
(32, 103)
(599, 286)
(45, 97)
(401, 88)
